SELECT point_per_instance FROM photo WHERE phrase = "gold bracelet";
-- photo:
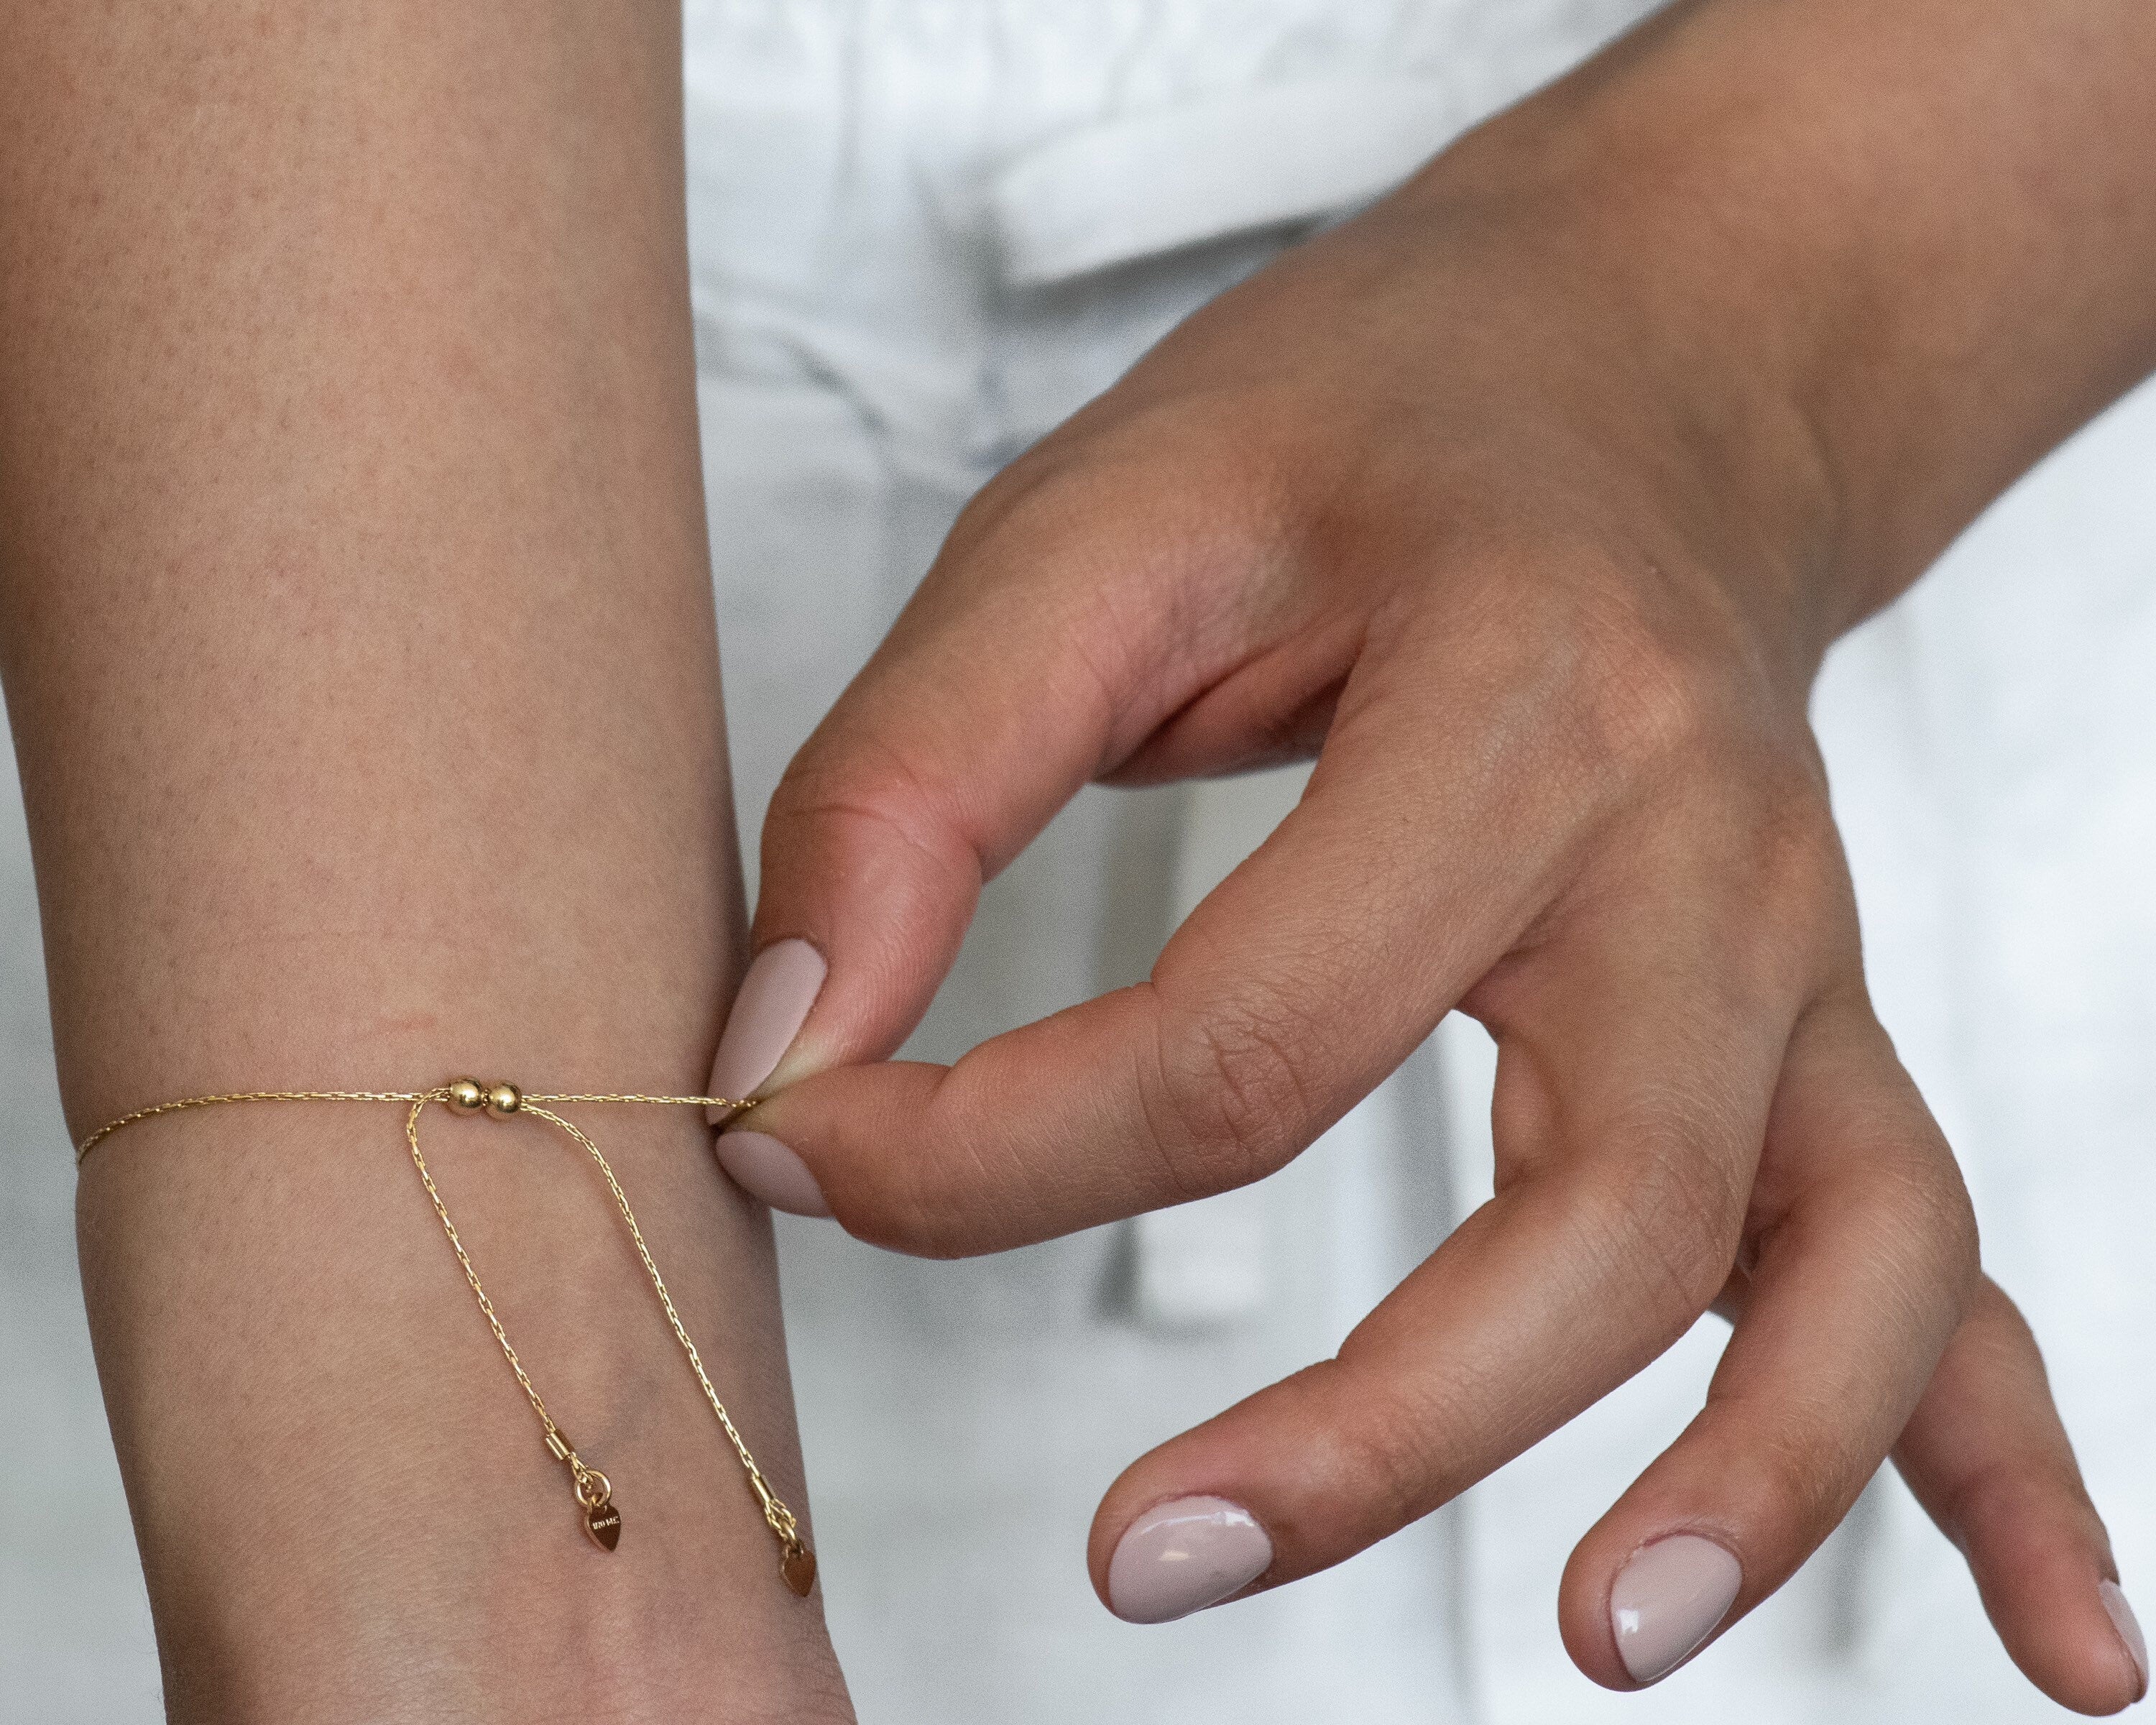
(594, 1491)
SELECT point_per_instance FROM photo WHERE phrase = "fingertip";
(1668, 1597)
(862, 1145)
(2040, 1557)
(770, 1172)
(1668, 1601)
(1183, 1556)
(2093, 1662)
(2130, 1637)
(763, 1026)
(1987, 1455)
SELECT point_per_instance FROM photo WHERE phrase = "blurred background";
(921, 235)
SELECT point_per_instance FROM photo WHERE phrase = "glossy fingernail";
(767, 1170)
(1669, 1599)
(774, 998)
(1180, 1557)
(2129, 1630)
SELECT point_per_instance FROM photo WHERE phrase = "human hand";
(1536, 539)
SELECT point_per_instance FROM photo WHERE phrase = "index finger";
(1416, 858)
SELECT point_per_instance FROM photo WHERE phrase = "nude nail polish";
(767, 1013)
(768, 1171)
(1180, 1557)
(2128, 1627)
(1666, 1602)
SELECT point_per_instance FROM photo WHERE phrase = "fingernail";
(767, 1170)
(1180, 1557)
(2129, 1630)
(775, 998)
(1669, 1599)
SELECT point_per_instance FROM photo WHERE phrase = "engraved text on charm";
(594, 1492)
(603, 1521)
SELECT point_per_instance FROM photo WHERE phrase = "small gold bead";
(504, 1100)
(467, 1095)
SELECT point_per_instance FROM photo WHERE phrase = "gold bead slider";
(467, 1095)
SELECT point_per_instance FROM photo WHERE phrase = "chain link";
(776, 1514)
(463, 1260)
(728, 1103)
(111, 1127)
(780, 1519)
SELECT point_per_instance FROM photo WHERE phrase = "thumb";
(1037, 654)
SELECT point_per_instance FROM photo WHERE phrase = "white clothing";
(924, 230)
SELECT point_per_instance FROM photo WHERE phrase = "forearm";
(359, 650)
(1926, 229)
(353, 533)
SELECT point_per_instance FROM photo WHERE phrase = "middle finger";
(1633, 1098)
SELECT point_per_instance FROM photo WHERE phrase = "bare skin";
(358, 644)
(1528, 502)
(356, 616)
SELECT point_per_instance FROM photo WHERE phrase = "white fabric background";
(885, 200)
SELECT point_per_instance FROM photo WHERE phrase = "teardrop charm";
(603, 1521)
(798, 1567)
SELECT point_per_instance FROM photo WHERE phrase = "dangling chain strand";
(594, 1490)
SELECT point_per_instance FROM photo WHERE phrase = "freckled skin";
(357, 634)
(356, 616)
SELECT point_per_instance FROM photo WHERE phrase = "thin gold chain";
(776, 1514)
(627, 1095)
(593, 1489)
(464, 1260)
(111, 1127)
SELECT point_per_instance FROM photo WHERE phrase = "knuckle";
(1042, 499)
(1226, 1093)
(874, 796)
(1795, 850)
(1646, 695)
(1806, 1472)
(846, 770)
(1382, 1456)
(1107, 552)
(1935, 1204)
(1658, 683)
(1382, 1460)
(1108, 483)
(1674, 1225)
(1925, 1232)
(1643, 706)
(2002, 1489)
(1888, 1166)
(1790, 923)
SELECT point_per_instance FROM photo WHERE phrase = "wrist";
(1667, 389)
(345, 1506)
(1902, 249)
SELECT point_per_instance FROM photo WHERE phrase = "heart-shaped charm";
(603, 1521)
(798, 1567)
